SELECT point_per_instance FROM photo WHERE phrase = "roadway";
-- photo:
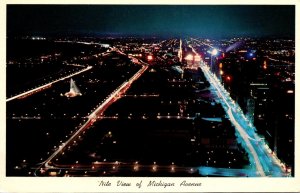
(115, 95)
(286, 62)
(265, 163)
(113, 167)
(147, 117)
(261, 156)
(48, 85)
(227, 107)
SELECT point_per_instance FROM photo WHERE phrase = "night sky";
(153, 20)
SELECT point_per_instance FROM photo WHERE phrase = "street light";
(214, 52)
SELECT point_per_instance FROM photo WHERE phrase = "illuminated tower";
(180, 51)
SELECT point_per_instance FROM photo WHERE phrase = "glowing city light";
(265, 65)
(214, 52)
(149, 57)
(262, 163)
(189, 57)
(197, 58)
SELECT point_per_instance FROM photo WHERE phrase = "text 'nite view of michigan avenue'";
(150, 90)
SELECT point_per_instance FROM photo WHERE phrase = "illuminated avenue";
(151, 107)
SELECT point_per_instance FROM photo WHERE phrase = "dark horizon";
(209, 21)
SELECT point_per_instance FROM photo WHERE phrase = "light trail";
(118, 91)
(30, 92)
(180, 51)
(227, 107)
(259, 152)
(283, 61)
(93, 116)
(244, 135)
(116, 166)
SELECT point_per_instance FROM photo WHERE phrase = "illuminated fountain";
(74, 90)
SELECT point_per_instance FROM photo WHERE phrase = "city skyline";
(212, 21)
(187, 93)
(168, 98)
